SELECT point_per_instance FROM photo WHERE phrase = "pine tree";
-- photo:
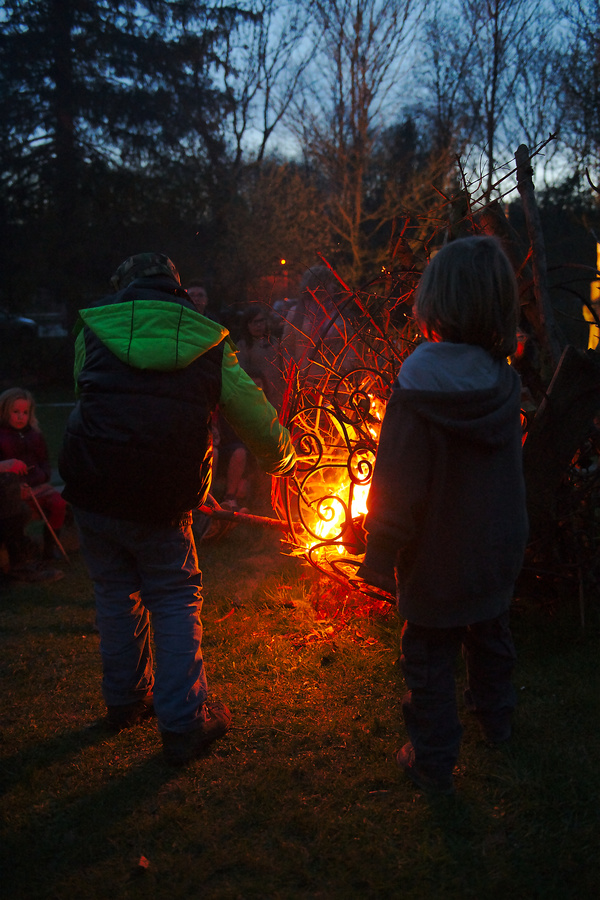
(91, 90)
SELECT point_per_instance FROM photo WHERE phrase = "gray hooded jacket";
(447, 501)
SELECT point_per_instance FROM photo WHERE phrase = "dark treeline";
(128, 126)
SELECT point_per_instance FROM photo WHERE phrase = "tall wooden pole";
(548, 335)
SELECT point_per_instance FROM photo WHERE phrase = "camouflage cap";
(142, 265)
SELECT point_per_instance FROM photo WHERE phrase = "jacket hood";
(485, 416)
(150, 325)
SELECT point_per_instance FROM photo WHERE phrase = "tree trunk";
(547, 333)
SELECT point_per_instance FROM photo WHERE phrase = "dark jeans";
(430, 708)
(141, 571)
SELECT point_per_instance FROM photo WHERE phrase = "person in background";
(277, 317)
(259, 353)
(317, 335)
(232, 453)
(136, 460)
(21, 438)
(196, 291)
(238, 465)
(18, 563)
(447, 523)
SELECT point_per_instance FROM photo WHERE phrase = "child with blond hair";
(22, 442)
(447, 522)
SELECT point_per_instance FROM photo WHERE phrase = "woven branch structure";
(335, 401)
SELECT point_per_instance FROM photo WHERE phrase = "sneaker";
(179, 749)
(128, 714)
(406, 760)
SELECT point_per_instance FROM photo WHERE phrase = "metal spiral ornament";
(335, 422)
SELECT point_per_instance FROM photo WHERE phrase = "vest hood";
(153, 329)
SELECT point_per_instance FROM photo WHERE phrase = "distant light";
(282, 261)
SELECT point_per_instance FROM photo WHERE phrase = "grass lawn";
(302, 799)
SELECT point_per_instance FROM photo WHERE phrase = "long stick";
(48, 525)
(230, 515)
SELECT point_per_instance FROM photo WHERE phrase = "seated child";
(21, 439)
(233, 455)
(16, 560)
(236, 462)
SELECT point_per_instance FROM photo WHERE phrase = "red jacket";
(30, 446)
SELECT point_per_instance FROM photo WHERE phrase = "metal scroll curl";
(335, 427)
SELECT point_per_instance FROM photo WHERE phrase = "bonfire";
(335, 402)
(335, 416)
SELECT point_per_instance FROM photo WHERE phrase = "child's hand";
(17, 466)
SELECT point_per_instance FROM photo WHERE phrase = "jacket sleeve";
(399, 489)
(254, 420)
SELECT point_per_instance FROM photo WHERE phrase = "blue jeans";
(144, 573)
(430, 708)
